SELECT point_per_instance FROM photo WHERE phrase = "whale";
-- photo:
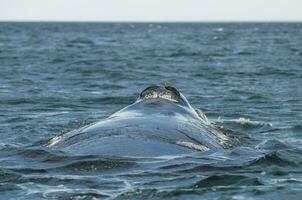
(160, 122)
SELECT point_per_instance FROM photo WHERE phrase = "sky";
(151, 10)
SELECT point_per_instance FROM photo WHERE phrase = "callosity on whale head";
(160, 122)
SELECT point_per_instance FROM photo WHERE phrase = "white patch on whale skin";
(191, 145)
(162, 95)
(54, 141)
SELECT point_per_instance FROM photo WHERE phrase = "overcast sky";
(151, 10)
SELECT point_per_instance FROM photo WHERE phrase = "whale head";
(158, 98)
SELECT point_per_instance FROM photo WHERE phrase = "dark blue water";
(56, 77)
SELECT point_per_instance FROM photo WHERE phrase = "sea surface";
(56, 77)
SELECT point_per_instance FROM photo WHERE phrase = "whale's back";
(151, 135)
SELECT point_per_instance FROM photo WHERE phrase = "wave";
(227, 180)
(244, 127)
(244, 121)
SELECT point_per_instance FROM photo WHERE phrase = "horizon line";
(150, 21)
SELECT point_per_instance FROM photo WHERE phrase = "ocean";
(57, 77)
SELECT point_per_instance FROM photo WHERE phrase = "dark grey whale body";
(161, 122)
